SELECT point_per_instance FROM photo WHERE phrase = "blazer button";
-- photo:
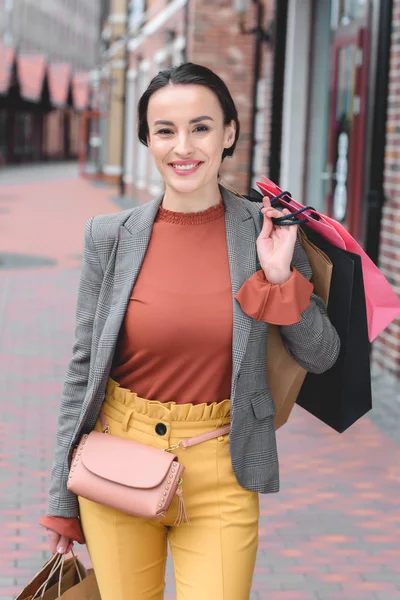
(161, 429)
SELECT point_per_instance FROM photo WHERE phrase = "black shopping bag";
(342, 395)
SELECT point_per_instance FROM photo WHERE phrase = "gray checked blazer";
(115, 246)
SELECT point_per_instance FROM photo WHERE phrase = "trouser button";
(161, 429)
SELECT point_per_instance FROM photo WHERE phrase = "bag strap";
(204, 437)
(186, 443)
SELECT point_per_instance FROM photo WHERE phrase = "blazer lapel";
(242, 254)
(133, 240)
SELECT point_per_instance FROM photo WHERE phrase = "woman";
(174, 304)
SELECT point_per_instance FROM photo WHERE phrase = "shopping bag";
(285, 376)
(36, 584)
(342, 395)
(58, 577)
(382, 303)
(87, 589)
(67, 577)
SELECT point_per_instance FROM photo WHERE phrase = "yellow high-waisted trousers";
(214, 555)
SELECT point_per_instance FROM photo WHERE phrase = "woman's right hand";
(59, 543)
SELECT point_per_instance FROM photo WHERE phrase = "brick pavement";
(332, 533)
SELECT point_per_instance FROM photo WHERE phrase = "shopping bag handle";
(61, 572)
(59, 560)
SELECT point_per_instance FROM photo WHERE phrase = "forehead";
(183, 102)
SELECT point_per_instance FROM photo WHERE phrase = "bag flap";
(125, 461)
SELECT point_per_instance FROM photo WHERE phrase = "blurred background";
(317, 86)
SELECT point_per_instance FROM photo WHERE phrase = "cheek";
(158, 150)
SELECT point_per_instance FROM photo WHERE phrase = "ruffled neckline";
(198, 218)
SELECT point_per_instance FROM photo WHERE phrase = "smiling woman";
(175, 302)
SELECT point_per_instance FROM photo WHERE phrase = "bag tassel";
(182, 514)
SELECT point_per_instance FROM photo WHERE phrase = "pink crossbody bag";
(129, 476)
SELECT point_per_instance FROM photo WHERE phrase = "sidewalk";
(333, 532)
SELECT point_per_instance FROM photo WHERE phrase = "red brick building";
(316, 83)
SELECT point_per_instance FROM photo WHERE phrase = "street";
(333, 532)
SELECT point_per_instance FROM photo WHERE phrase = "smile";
(187, 168)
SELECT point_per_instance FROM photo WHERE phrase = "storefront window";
(344, 12)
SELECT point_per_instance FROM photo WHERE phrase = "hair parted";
(189, 74)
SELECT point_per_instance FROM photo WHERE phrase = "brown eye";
(164, 131)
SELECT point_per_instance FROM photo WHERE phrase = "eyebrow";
(196, 120)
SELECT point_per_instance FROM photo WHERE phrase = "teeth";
(185, 167)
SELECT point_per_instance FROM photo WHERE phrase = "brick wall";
(386, 352)
(215, 41)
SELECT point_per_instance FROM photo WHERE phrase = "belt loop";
(126, 419)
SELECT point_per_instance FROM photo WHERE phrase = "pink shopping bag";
(382, 303)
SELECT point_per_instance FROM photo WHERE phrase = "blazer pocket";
(263, 404)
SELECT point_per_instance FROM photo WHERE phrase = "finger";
(54, 539)
(271, 212)
(267, 226)
(266, 202)
(69, 547)
(63, 545)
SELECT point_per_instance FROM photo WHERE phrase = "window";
(136, 9)
(344, 12)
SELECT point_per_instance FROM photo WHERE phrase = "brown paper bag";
(38, 580)
(70, 579)
(46, 584)
(285, 376)
(87, 589)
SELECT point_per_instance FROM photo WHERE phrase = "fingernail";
(60, 550)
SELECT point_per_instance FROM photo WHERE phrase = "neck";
(192, 202)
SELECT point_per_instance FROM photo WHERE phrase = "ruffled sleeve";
(69, 527)
(275, 304)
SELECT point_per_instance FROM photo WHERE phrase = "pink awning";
(7, 56)
(80, 90)
(59, 80)
(31, 74)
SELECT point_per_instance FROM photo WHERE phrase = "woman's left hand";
(275, 246)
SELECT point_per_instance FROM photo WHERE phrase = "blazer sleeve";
(62, 502)
(313, 342)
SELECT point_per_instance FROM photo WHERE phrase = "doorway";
(338, 88)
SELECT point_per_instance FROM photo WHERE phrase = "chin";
(185, 187)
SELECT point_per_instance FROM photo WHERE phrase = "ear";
(229, 136)
(148, 141)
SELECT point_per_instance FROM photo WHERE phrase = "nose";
(183, 145)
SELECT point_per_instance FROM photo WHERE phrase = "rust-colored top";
(175, 343)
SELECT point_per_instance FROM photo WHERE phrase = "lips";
(185, 167)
